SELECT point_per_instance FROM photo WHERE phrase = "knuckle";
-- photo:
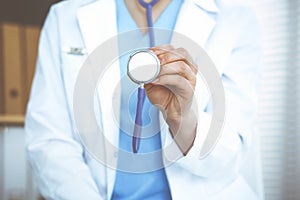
(167, 57)
(180, 79)
(182, 51)
(182, 67)
(171, 46)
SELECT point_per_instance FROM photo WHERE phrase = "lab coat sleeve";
(240, 80)
(55, 156)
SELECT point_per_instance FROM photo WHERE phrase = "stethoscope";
(143, 67)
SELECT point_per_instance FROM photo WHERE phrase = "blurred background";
(273, 166)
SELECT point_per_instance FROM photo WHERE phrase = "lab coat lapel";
(194, 23)
(97, 21)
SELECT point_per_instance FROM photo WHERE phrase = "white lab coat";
(63, 167)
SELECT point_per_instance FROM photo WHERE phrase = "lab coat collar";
(194, 23)
(94, 27)
(91, 21)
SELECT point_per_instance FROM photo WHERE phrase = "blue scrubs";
(149, 185)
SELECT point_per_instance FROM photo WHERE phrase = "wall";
(17, 179)
(20, 24)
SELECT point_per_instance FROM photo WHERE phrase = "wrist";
(183, 130)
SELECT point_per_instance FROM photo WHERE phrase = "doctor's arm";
(55, 156)
(239, 78)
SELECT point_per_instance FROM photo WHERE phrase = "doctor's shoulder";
(62, 23)
(67, 9)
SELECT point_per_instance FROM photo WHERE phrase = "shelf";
(12, 120)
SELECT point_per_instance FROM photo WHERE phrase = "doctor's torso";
(78, 28)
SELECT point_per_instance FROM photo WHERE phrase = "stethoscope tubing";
(150, 25)
(148, 7)
(141, 91)
(138, 120)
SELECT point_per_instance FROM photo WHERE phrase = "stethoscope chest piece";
(143, 66)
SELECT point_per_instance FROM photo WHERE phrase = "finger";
(177, 55)
(179, 68)
(188, 57)
(162, 49)
(176, 83)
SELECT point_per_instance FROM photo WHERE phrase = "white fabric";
(66, 171)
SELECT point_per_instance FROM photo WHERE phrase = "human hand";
(173, 92)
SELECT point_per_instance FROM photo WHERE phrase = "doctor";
(63, 167)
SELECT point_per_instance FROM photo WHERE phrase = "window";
(278, 113)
